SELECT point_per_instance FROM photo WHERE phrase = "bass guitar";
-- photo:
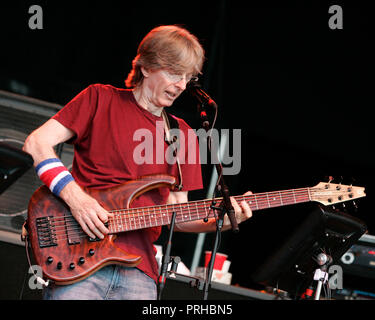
(67, 254)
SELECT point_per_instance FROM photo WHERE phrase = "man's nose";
(181, 84)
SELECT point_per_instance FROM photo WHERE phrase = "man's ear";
(145, 72)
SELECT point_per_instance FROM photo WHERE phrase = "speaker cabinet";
(19, 116)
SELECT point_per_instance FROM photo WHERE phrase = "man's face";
(163, 87)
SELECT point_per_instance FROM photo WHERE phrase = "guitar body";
(60, 248)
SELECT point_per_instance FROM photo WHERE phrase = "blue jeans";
(113, 282)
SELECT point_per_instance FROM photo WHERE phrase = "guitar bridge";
(46, 232)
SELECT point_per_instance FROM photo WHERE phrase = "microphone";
(196, 90)
(323, 259)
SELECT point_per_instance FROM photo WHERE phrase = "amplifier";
(19, 116)
(359, 260)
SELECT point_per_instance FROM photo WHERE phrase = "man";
(100, 122)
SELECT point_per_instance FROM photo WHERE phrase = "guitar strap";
(171, 123)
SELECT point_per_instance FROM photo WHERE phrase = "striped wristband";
(53, 174)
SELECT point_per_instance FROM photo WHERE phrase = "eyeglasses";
(175, 78)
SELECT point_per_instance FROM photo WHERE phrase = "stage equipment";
(19, 116)
(359, 260)
(320, 241)
(182, 287)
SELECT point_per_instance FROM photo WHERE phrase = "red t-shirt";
(104, 120)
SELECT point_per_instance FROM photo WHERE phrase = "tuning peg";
(330, 179)
(339, 185)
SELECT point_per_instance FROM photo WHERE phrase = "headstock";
(328, 193)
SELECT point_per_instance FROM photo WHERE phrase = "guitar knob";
(49, 260)
(91, 252)
(72, 266)
(59, 265)
(81, 260)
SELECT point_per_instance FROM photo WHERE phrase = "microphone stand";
(224, 208)
(166, 258)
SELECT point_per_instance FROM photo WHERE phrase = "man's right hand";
(86, 210)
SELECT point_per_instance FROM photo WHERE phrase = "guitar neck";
(146, 217)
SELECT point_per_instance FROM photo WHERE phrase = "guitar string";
(70, 226)
(139, 213)
(257, 199)
(135, 218)
(74, 226)
(81, 234)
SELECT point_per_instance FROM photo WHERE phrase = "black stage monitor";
(293, 265)
(13, 164)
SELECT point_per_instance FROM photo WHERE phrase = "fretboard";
(146, 217)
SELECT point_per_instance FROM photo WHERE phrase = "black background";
(299, 91)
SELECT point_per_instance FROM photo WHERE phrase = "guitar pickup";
(94, 239)
(73, 231)
(98, 239)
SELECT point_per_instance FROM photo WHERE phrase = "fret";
(275, 199)
(251, 202)
(174, 210)
(147, 219)
(161, 215)
(294, 196)
(168, 216)
(206, 207)
(141, 219)
(188, 207)
(256, 202)
(117, 221)
(205, 211)
(120, 226)
(131, 220)
(179, 213)
(281, 198)
(136, 218)
(268, 200)
(287, 199)
(182, 212)
(196, 209)
(126, 225)
(153, 216)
